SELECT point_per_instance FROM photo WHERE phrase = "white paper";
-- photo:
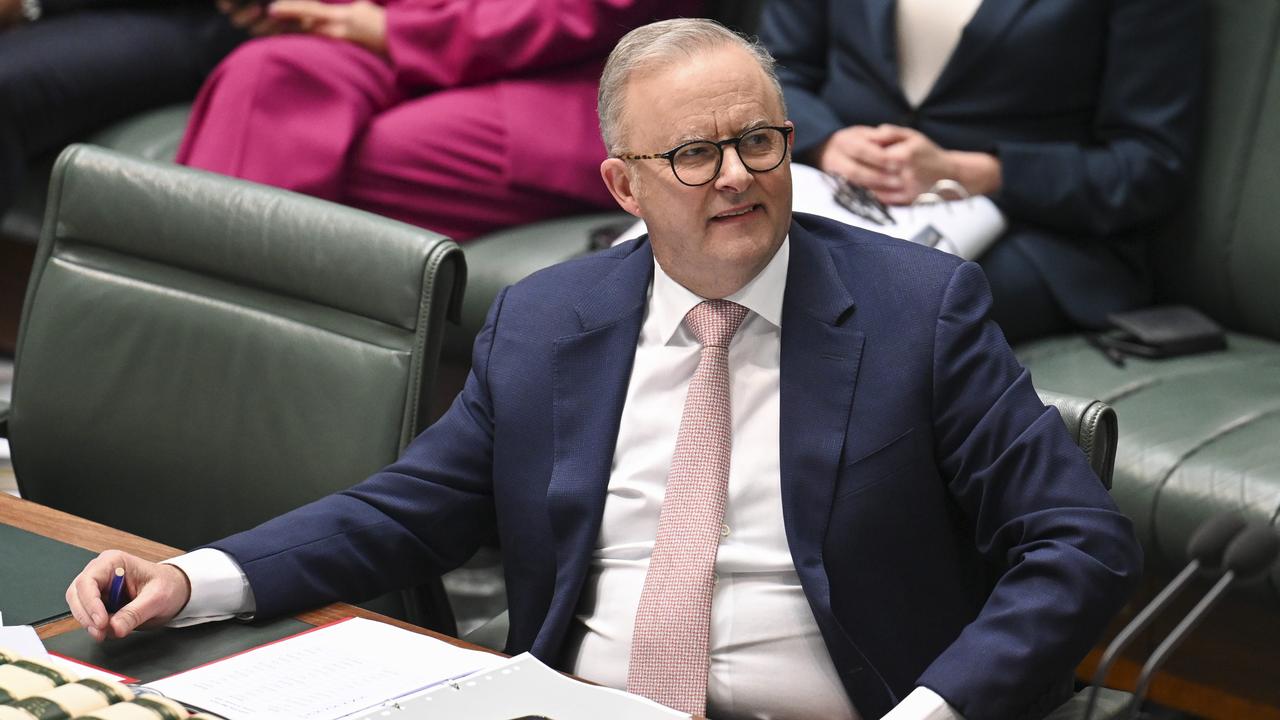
(23, 640)
(325, 674)
(522, 686)
(968, 227)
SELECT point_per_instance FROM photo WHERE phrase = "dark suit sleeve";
(1144, 130)
(419, 517)
(793, 32)
(1067, 558)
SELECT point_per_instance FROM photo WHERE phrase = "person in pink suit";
(462, 116)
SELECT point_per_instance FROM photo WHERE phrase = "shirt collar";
(669, 301)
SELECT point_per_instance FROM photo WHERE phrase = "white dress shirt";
(768, 659)
(760, 618)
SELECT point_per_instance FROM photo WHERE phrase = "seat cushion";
(1198, 434)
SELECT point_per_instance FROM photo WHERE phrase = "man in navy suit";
(1078, 119)
(907, 529)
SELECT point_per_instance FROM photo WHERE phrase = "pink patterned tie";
(669, 647)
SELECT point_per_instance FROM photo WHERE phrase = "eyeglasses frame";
(670, 155)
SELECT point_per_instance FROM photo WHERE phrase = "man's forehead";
(689, 103)
(716, 127)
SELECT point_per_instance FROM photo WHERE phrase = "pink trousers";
(326, 118)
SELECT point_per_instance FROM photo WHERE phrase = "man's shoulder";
(559, 290)
(580, 273)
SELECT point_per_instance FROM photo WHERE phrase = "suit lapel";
(590, 372)
(821, 351)
(989, 23)
(880, 40)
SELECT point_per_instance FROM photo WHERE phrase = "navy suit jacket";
(1092, 107)
(946, 530)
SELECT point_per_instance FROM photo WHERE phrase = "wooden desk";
(1170, 688)
(95, 537)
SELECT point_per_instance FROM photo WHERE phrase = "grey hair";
(661, 44)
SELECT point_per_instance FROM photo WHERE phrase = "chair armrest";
(1093, 425)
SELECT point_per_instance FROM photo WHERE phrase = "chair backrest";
(1221, 253)
(1092, 424)
(198, 354)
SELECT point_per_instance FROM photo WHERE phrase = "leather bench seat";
(1198, 434)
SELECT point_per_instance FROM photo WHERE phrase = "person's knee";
(298, 56)
(438, 141)
(1022, 303)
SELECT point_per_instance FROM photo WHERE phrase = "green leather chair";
(1201, 431)
(198, 354)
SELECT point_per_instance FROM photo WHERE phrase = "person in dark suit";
(69, 67)
(873, 504)
(1077, 119)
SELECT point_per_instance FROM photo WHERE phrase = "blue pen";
(116, 594)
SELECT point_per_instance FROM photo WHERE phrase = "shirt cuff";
(923, 704)
(219, 588)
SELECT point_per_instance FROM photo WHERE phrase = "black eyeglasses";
(698, 162)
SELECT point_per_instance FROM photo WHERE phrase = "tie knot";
(714, 322)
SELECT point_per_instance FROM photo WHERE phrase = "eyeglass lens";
(760, 150)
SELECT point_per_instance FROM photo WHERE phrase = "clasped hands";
(360, 22)
(899, 163)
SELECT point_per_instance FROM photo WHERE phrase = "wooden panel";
(15, 266)
(1226, 669)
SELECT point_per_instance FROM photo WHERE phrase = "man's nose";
(734, 176)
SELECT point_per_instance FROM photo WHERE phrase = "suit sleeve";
(1066, 558)
(1144, 130)
(419, 517)
(447, 43)
(793, 33)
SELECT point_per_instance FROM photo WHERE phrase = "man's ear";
(618, 180)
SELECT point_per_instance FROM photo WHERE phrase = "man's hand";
(10, 13)
(899, 163)
(360, 22)
(158, 593)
